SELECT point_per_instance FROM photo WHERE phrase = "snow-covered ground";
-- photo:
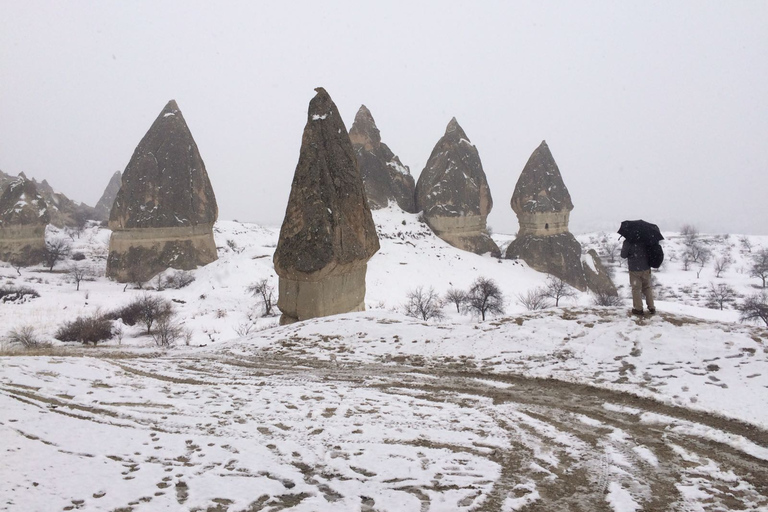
(380, 411)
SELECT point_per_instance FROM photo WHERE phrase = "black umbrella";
(640, 231)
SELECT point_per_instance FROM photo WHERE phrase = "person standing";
(639, 276)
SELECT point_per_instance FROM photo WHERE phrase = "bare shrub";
(689, 233)
(55, 250)
(424, 304)
(457, 297)
(78, 272)
(558, 289)
(168, 331)
(721, 264)
(243, 329)
(759, 266)
(179, 280)
(264, 292)
(746, 243)
(485, 298)
(754, 308)
(720, 295)
(604, 298)
(144, 309)
(17, 294)
(25, 336)
(534, 299)
(86, 329)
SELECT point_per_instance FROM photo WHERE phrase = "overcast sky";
(654, 110)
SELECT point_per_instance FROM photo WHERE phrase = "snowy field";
(577, 407)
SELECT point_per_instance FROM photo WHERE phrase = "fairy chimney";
(164, 212)
(23, 217)
(453, 193)
(384, 176)
(543, 206)
(328, 234)
(104, 206)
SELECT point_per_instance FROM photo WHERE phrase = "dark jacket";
(637, 256)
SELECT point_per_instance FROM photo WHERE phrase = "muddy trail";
(387, 437)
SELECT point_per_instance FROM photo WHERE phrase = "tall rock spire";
(384, 176)
(453, 193)
(164, 211)
(328, 234)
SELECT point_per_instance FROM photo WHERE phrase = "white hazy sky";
(654, 110)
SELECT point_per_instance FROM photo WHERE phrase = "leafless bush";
(746, 243)
(605, 298)
(689, 233)
(457, 297)
(485, 298)
(168, 331)
(721, 264)
(25, 336)
(759, 266)
(89, 329)
(423, 304)
(264, 292)
(534, 299)
(78, 272)
(55, 251)
(558, 289)
(754, 308)
(144, 309)
(174, 281)
(720, 295)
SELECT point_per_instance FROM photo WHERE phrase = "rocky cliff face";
(384, 176)
(328, 235)
(543, 205)
(23, 217)
(164, 211)
(104, 206)
(453, 193)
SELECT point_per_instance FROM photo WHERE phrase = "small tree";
(152, 309)
(746, 243)
(17, 265)
(78, 272)
(720, 295)
(264, 292)
(423, 304)
(534, 299)
(721, 264)
(557, 289)
(167, 331)
(754, 308)
(689, 233)
(457, 297)
(759, 266)
(485, 298)
(55, 251)
(610, 249)
(703, 258)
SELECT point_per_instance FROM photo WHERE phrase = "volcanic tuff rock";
(328, 234)
(23, 217)
(543, 206)
(104, 206)
(384, 176)
(164, 212)
(63, 211)
(453, 193)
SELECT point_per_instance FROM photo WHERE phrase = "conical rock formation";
(543, 206)
(24, 215)
(328, 234)
(453, 193)
(384, 176)
(104, 206)
(164, 212)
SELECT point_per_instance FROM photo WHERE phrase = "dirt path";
(301, 434)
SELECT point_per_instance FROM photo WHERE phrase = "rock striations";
(104, 206)
(453, 193)
(328, 234)
(543, 206)
(23, 217)
(385, 178)
(164, 212)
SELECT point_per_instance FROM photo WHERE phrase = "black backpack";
(655, 255)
